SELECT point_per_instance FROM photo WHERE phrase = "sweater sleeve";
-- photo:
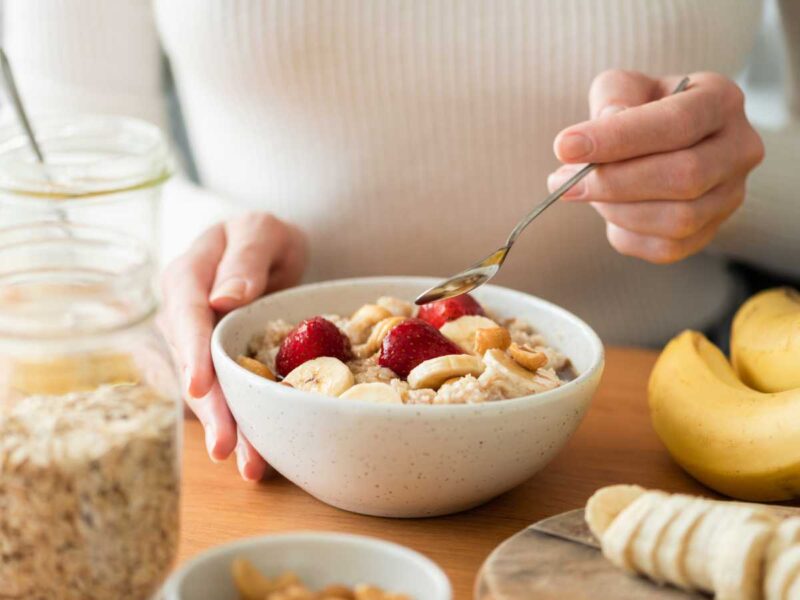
(764, 231)
(103, 56)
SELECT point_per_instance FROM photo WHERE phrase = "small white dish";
(318, 559)
(403, 460)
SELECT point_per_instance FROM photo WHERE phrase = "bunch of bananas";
(736, 427)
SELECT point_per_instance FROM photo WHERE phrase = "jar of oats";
(101, 170)
(89, 418)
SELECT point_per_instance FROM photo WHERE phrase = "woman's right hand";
(231, 264)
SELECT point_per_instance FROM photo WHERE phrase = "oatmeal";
(88, 495)
(447, 352)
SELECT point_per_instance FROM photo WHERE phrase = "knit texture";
(406, 137)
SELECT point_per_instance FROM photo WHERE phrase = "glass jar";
(90, 418)
(100, 170)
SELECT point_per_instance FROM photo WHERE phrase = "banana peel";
(737, 440)
(765, 341)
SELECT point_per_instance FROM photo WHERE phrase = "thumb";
(611, 92)
(254, 242)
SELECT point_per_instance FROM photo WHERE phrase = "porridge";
(446, 352)
(89, 494)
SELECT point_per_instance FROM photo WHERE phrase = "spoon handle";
(564, 188)
(19, 107)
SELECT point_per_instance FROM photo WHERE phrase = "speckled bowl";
(403, 460)
(318, 558)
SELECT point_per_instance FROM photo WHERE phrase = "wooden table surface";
(614, 444)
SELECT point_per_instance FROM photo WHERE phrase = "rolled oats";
(88, 494)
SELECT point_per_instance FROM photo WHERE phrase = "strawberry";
(311, 339)
(440, 312)
(412, 342)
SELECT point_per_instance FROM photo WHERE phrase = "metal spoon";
(483, 271)
(19, 108)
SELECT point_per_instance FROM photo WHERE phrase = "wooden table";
(614, 444)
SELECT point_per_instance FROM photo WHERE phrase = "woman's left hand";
(672, 167)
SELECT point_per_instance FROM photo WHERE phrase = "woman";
(409, 136)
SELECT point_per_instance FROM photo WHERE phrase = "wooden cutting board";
(536, 565)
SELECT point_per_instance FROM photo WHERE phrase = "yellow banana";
(736, 440)
(765, 341)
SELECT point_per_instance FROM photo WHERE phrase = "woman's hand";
(231, 264)
(673, 168)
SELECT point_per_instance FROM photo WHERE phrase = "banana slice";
(506, 369)
(705, 542)
(255, 366)
(606, 503)
(780, 574)
(738, 561)
(377, 393)
(396, 306)
(646, 544)
(324, 375)
(462, 331)
(671, 553)
(618, 539)
(793, 593)
(434, 372)
(786, 535)
(379, 331)
(364, 319)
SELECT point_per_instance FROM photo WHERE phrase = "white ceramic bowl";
(318, 559)
(403, 460)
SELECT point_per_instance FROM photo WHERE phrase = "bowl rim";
(546, 397)
(171, 587)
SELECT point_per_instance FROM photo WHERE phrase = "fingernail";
(241, 461)
(211, 441)
(187, 381)
(611, 109)
(574, 146)
(231, 289)
(557, 179)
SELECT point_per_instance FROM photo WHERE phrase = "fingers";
(254, 242)
(658, 250)
(616, 90)
(218, 423)
(188, 318)
(669, 123)
(288, 271)
(674, 220)
(249, 462)
(684, 174)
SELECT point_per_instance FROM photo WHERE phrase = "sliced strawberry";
(311, 339)
(412, 342)
(440, 312)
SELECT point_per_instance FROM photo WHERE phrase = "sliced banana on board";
(324, 375)
(781, 573)
(738, 561)
(671, 554)
(433, 372)
(648, 541)
(376, 392)
(462, 331)
(606, 503)
(617, 542)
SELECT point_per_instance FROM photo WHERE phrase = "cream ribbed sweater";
(408, 136)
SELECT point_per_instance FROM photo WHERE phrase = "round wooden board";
(536, 565)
